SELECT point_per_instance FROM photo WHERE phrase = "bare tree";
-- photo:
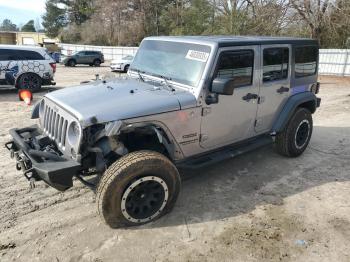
(314, 13)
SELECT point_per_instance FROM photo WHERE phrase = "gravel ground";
(256, 207)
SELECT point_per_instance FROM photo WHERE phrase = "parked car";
(187, 102)
(91, 58)
(56, 56)
(26, 67)
(122, 64)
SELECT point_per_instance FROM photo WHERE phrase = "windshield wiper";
(166, 79)
(139, 73)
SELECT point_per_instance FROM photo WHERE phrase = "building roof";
(227, 40)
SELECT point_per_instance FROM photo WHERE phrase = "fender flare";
(168, 140)
(305, 99)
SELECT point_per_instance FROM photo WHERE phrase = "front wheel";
(72, 63)
(294, 139)
(138, 188)
(126, 68)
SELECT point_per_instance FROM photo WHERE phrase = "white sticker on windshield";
(197, 55)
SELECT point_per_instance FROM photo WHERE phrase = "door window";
(275, 65)
(236, 65)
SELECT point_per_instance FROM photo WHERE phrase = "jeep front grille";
(55, 122)
(55, 126)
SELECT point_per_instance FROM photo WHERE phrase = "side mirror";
(222, 86)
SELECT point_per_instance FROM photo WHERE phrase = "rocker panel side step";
(227, 152)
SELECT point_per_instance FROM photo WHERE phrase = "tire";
(72, 63)
(294, 139)
(29, 81)
(138, 188)
(97, 62)
(91, 64)
(126, 68)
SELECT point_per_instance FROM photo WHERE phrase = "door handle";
(250, 96)
(282, 89)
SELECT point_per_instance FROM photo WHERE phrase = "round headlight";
(73, 133)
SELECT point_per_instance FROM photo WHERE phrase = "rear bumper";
(318, 102)
(37, 164)
(48, 80)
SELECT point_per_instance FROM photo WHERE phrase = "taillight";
(53, 66)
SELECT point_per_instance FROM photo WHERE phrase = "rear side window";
(15, 55)
(9, 55)
(236, 65)
(305, 61)
(275, 65)
(30, 55)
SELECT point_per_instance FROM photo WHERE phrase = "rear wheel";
(138, 188)
(29, 81)
(297, 134)
(97, 62)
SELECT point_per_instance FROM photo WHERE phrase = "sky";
(21, 11)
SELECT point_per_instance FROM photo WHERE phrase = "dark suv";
(91, 58)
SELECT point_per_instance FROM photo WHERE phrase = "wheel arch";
(306, 100)
(161, 132)
(18, 77)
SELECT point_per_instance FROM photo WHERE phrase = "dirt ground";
(256, 207)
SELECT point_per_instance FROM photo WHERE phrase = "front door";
(274, 84)
(232, 119)
(82, 57)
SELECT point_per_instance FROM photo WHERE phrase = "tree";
(28, 27)
(7, 25)
(313, 13)
(54, 19)
(79, 11)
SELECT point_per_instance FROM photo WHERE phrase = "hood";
(118, 99)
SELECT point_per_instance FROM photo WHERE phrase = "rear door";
(274, 84)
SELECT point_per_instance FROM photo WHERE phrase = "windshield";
(180, 62)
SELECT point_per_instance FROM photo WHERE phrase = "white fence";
(332, 61)
(109, 52)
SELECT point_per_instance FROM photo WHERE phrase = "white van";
(26, 67)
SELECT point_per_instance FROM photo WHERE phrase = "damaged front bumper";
(27, 147)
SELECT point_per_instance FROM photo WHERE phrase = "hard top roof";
(227, 40)
(22, 47)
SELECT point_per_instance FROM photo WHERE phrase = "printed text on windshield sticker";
(197, 55)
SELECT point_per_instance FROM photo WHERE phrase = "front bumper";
(37, 164)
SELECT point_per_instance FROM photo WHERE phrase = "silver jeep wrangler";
(187, 102)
